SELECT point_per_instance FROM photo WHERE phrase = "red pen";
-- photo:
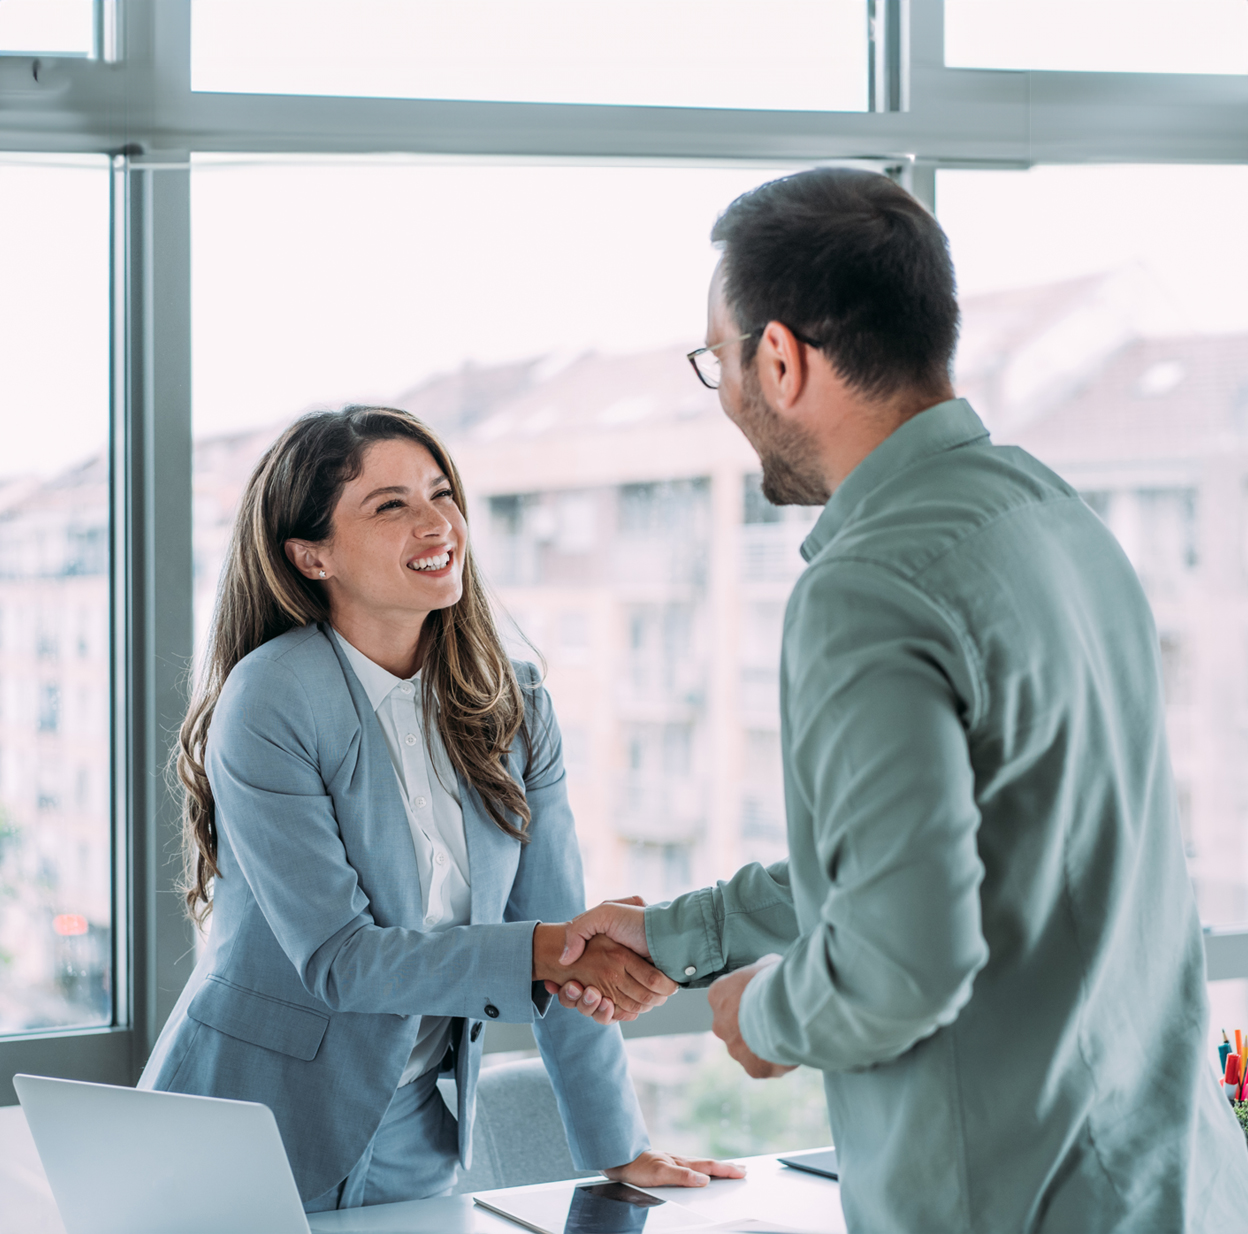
(1232, 1080)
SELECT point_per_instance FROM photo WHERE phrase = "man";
(990, 944)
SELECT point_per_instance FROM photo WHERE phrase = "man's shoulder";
(939, 506)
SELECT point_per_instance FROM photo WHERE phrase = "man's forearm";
(697, 937)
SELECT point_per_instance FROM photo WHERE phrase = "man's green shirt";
(990, 941)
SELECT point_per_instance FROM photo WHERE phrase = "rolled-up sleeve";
(697, 937)
(879, 690)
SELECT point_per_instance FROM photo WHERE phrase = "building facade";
(617, 516)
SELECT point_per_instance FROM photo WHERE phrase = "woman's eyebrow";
(390, 488)
(402, 489)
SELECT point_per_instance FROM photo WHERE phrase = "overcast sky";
(319, 282)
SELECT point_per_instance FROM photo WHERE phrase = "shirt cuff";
(752, 1017)
(684, 938)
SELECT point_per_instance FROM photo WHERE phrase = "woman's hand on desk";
(656, 1169)
(632, 985)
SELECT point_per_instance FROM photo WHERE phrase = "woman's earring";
(322, 573)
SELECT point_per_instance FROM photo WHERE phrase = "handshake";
(599, 964)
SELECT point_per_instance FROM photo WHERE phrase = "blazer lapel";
(374, 828)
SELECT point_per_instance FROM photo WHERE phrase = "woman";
(376, 816)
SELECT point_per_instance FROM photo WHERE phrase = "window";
(663, 53)
(48, 27)
(586, 210)
(56, 960)
(1103, 335)
(1102, 36)
(586, 444)
(697, 1100)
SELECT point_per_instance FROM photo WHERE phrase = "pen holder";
(1241, 1112)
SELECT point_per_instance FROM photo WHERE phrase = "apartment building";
(617, 516)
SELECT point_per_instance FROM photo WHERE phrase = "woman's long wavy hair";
(470, 690)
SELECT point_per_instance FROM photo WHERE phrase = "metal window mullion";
(933, 113)
(156, 448)
(889, 52)
(118, 604)
(1226, 954)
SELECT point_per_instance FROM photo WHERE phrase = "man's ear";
(781, 365)
(307, 559)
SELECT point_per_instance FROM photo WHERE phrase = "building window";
(1099, 332)
(49, 707)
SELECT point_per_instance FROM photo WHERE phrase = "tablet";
(820, 1161)
(590, 1208)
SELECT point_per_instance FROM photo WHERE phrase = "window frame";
(132, 100)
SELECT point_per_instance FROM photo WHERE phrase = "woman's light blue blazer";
(307, 996)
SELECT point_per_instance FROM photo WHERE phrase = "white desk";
(769, 1192)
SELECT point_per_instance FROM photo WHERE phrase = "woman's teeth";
(430, 563)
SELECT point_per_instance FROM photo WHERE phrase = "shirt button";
(690, 970)
(407, 687)
(431, 920)
(491, 1011)
(441, 859)
(421, 803)
(410, 739)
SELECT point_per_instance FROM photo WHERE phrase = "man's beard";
(791, 475)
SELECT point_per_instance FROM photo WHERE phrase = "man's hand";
(629, 982)
(622, 920)
(655, 1169)
(725, 999)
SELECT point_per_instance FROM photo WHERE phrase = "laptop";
(131, 1161)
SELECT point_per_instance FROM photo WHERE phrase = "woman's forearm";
(457, 972)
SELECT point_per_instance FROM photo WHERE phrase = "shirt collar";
(377, 681)
(943, 427)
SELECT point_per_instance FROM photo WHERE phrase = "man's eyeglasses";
(706, 362)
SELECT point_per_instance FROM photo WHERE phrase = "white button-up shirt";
(430, 794)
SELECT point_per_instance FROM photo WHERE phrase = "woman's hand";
(589, 1002)
(631, 984)
(655, 1169)
(625, 926)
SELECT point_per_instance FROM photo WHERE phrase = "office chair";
(518, 1137)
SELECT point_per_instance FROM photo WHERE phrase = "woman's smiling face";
(398, 544)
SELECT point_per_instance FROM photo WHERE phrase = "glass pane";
(1099, 36)
(1106, 331)
(666, 53)
(615, 509)
(1228, 1010)
(698, 1102)
(59, 27)
(55, 778)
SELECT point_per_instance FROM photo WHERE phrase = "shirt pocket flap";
(259, 1019)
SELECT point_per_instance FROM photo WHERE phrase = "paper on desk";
(752, 1225)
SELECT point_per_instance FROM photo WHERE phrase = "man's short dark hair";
(850, 260)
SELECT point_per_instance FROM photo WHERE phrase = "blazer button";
(491, 1011)
(476, 1031)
